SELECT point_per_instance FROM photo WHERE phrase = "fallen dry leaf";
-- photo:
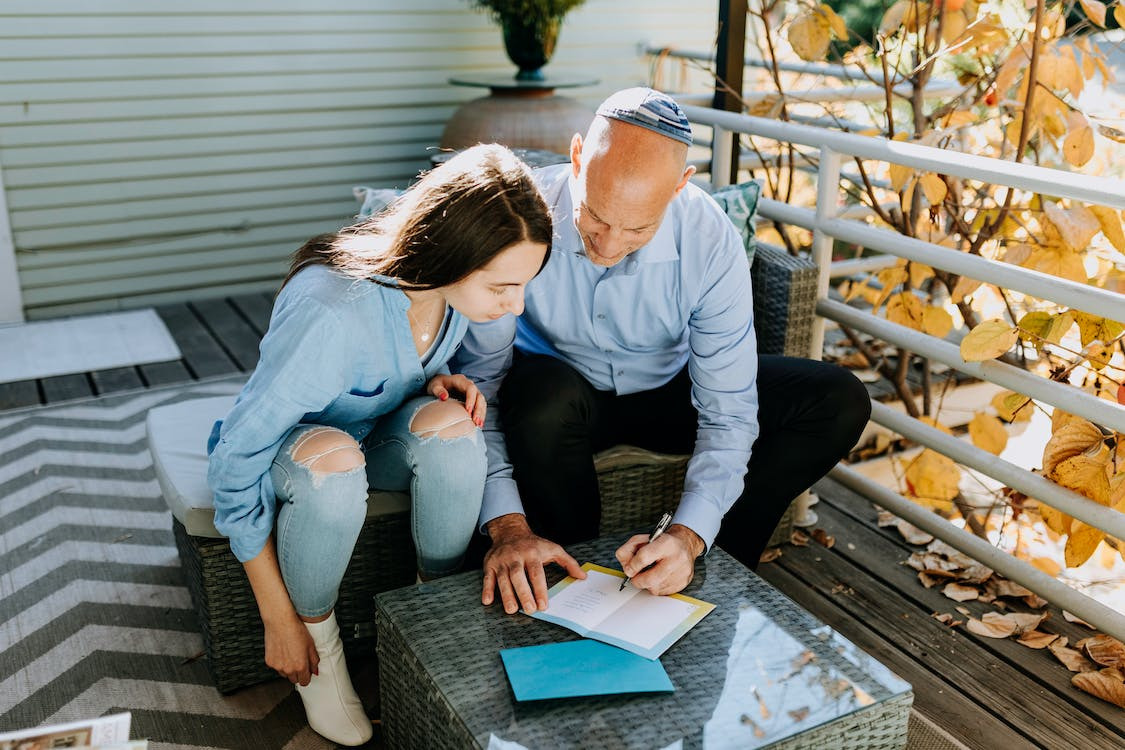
(946, 619)
(1036, 639)
(912, 534)
(1035, 601)
(770, 555)
(886, 518)
(1074, 618)
(1114, 672)
(975, 573)
(1071, 658)
(1025, 621)
(799, 538)
(963, 610)
(928, 580)
(998, 586)
(959, 593)
(1101, 686)
(823, 538)
(991, 627)
(1105, 650)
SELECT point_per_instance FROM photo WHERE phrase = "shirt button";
(601, 317)
(607, 351)
(620, 372)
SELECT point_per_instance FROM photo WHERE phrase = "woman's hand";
(440, 387)
(290, 650)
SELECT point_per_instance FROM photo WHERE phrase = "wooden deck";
(986, 693)
(216, 336)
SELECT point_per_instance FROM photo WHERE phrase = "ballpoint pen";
(665, 521)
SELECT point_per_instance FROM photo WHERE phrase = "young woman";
(352, 390)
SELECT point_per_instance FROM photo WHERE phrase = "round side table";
(518, 114)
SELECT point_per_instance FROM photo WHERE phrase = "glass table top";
(758, 671)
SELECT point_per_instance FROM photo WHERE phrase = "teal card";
(576, 668)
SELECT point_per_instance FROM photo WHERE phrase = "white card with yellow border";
(634, 620)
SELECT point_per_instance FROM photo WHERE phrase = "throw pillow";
(740, 203)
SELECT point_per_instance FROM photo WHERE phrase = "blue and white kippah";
(650, 109)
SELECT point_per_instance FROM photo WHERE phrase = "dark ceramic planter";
(530, 45)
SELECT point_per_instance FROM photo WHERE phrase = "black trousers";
(810, 414)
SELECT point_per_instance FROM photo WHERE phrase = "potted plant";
(531, 28)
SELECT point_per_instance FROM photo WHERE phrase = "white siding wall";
(153, 151)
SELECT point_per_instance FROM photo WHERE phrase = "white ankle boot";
(331, 704)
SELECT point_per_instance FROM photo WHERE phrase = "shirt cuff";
(501, 497)
(699, 515)
(247, 546)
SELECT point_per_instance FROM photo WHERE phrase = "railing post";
(722, 152)
(827, 200)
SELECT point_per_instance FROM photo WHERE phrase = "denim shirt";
(338, 352)
(682, 298)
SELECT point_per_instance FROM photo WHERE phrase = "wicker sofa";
(637, 486)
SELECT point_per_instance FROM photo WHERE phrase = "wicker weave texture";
(784, 301)
(442, 683)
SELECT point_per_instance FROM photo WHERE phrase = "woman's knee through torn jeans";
(320, 514)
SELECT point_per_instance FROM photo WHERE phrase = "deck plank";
(1020, 686)
(202, 354)
(165, 373)
(18, 394)
(116, 380)
(66, 387)
(256, 308)
(236, 336)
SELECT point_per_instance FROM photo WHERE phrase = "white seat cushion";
(177, 437)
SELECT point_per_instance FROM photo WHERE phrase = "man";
(640, 330)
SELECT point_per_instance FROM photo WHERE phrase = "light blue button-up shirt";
(684, 297)
(339, 352)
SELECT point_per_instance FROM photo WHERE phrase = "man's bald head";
(625, 177)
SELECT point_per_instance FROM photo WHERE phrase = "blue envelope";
(584, 667)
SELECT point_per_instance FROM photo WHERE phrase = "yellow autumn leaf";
(1076, 225)
(1078, 146)
(894, 16)
(936, 321)
(959, 118)
(809, 36)
(988, 433)
(1095, 11)
(1081, 543)
(933, 477)
(1056, 520)
(1110, 222)
(1094, 328)
(835, 23)
(919, 272)
(899, 175)
(933, 187)
(1012, 406)
(1098, 355)
(1058, 260)
(1119, 13)
(1042, 326)
(963, 288)
(905, 309)
(891, 277)
(1073, 438)
(1084, 475)
(953, 25)
(988, 340)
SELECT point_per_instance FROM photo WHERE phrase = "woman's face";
(496, 289)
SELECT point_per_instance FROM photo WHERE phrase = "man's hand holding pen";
(666, 564)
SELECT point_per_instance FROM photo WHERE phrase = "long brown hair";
(456, 219)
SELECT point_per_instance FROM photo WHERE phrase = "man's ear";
(684, 180)
(575, 154)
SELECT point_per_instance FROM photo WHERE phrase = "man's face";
(615, 218)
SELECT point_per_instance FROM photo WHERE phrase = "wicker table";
(757, 672)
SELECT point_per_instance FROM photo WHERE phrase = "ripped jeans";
(322, 497)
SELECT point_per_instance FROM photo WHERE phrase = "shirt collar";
(661, 248)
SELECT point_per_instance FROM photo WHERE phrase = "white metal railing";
(828, 223)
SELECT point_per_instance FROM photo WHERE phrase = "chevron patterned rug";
(95, 617)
